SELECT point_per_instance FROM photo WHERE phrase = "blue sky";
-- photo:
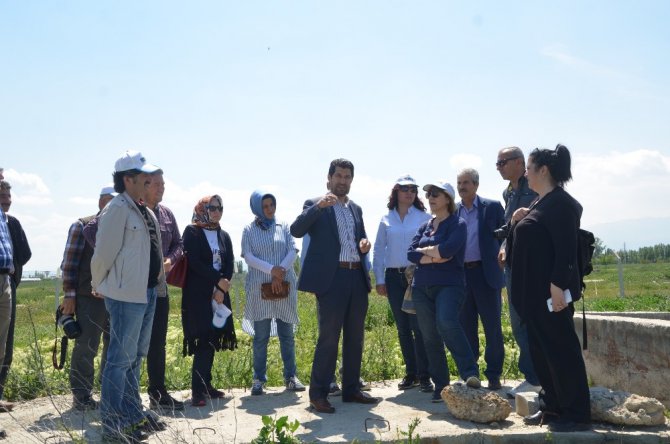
(231, 96)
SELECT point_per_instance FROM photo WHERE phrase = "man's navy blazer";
(490, 216)
(323, 255)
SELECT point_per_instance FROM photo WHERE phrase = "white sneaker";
(524, 387)
(293, 384)
(334, 389)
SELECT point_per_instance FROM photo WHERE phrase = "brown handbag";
(177, 274)
(267, 294)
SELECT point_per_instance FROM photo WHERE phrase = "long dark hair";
(557, 161)
(393, 200)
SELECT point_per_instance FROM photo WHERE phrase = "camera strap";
(59, 364)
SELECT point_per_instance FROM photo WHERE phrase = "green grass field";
(647, 288)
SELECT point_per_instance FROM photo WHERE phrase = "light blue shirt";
(471, 218)
(393, 239)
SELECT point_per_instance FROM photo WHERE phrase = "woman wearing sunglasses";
(438, 289)
(210, 268)
(396, 230)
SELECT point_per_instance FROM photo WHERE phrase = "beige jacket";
(120, 263)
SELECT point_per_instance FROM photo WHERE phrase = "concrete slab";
(237, 419)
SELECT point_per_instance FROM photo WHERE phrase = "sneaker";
(151, 424)
(426, 386)
(257, 387)
(214, 393)
(133, 437)
(437, 397)
(198, 401)
(163, 401)
(85, 404)
(473, 382)
(293, 384)
(494, 384)
(334, 389)
(408, 382)
(364, 386)
(524, 387)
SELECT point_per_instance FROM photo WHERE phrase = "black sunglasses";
(408, 188)
(503, 162)
(218, 208)
(434, 192)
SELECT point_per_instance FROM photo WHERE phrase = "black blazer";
(323, 255)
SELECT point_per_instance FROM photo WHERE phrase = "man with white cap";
(87, 307)
(126, 268)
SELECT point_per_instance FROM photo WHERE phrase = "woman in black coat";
(210, 268)
(544, 270)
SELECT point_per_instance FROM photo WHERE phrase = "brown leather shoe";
(321, 405)
(361, 398)
(6, 406)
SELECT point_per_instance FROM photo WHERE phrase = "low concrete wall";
(629, 351)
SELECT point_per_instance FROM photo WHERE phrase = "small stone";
(623, 408)
(477, 405)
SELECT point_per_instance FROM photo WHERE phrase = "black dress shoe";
(151, 424)
(565, 425)
(361, 398)
(494, 384)
(321, 405)
(540, 417)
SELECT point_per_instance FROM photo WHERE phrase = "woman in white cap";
(438, 289)
(269, 250)
(209, 252)
(396, 230)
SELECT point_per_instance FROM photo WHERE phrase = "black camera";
(502, 232)
(69, 324)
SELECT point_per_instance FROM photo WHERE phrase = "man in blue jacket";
(335, 270)
(483, 275)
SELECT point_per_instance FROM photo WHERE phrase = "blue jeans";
(409, 334)
(286, 345)
(520, 333)
(130, 331)
(437, 310)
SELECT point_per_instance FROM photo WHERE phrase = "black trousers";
(156, 354)
(342, 308)
(201, 372)
(559, 364)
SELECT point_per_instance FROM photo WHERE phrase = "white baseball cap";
(221, 313)
(109, 190)
(134, 160)
(443, 185)
(406, 180)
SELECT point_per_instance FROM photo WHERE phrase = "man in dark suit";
(483, 276)
(335, 270)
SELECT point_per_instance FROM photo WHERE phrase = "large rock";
(623, 408)
(477, 405)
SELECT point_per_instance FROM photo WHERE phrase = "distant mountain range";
(635, 233)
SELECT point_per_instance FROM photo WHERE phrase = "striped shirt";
(72, 257)
(345, 228)
(6, 254)
(263, 249)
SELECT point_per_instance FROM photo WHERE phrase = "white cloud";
(562, 55)
(621, 185)
(28, 189)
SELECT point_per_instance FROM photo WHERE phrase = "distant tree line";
(604, 255)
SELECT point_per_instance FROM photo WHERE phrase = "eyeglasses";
(503, 162)
(434, 192)
(407, 188)
(214, 208)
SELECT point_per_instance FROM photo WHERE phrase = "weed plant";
(647, 288)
